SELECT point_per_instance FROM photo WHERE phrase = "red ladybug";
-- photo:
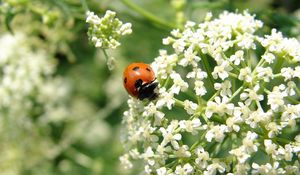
(139, 81)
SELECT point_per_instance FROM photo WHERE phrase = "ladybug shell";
(133, 73)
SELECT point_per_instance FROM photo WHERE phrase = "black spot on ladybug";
(148, 69)
(138, 83)
(136, 68)
(125, 80)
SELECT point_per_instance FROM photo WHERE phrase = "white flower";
(190, 107)
(202, 157)
(179, 83)
(163, 64)
(269, 57)
(250, 95)
(249, 142)
(125, 161)
(270, 148)
(273, 129)
(240, 153)
(267, 169)
(245, 74)
(169, 135)
(151, 110)
(190, 58)
(185, 170)
(220, 106)
(275, 98)
(215, 167)
(165, 99)
(258, 117)
(217, 132)
(222, 70)
(183, 151)
(287, 73)
(232, 123)
(105, 32)
(224, 87)
(190, 125)
(237, 57)
(290, 114)
(161, 171)
(198, 75)
(264, 73)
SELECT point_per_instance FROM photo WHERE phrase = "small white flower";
(165, 99)
(182, 151)
(240, 153)
(161, 171)
(105, 32)
(190, 125)
(224, 87)
(151, 110)
(215, 167)
(190, 107)
(220, 106)
(237, 57)
(246, 74)
(287, 73)
(250, 95)
(264, 73)
(190, 58)
(185, 170)
(267, 169)
(169, 135)
(202, 157)
(222, 70)
(217, 132)
(179, 83)
(125, 161)
(269, 57)
(270, 148)
(249, 142)
(275, 98)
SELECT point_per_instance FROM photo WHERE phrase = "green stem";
(149, 15)
(208, 71)
(84, 5)
(237, 92)
(233, 75)
(297, 90)
(179, 103)
(278, 65)
(105, 54)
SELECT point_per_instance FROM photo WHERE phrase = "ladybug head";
(146, 90)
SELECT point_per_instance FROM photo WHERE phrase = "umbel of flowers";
(228, 103)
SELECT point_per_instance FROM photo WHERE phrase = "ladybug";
(138, 80)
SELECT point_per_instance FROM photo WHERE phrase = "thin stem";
(278, 64)
(213, 97)
(84, 5)
(237, 92)
(233, 75)
(179, 103)
(149, 16)
(208, 71)
(105, 54)
(297, 90)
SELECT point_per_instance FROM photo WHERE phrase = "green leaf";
(9, 16)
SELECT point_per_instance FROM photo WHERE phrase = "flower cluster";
(228, 100)
(106, 32)
(33, 103)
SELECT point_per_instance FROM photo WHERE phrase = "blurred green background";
(80, 132)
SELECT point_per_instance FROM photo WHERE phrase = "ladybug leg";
(147, 90)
